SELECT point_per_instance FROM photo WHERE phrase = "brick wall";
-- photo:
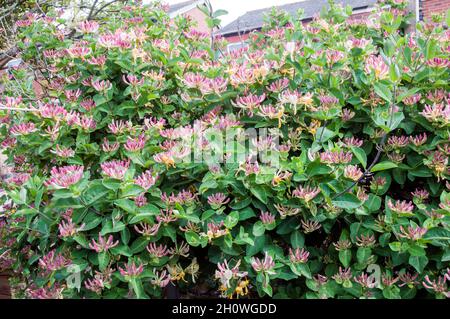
(430, 7)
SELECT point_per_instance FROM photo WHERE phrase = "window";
(236, 46)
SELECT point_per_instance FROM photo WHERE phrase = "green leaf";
(418, 262)
(258, 229)
(363, 254)
(360, 155)
(297, 239)
(345, 256)
(383, 91)
(232, 219)
(103, 260)
(347, 201)
(192, 238)
(138, 289)
(383, 166)
(259, 193)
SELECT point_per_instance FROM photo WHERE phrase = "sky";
(236, 8)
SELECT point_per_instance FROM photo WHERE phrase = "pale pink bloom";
(242, 76)
(166, 216)
(87, 104)
(78, 52)
(18, 178)
(327, 101)
(157, 251)
(401, 207)
(88, 26)
(298, 255)
(344, 274)
(140, 200)
(147, 230)
(63, 177)
(103, 245)
(249, 103)
(408, 279)
(12, 102)
(438, 63)
(438, 285)
(359, 43)
(250, 167)
(278, 86)
(154, 123)
(100, 61)
(217, 86)
(306, 193)
(217, 200)
(353, 172)
(353, 141)
(101, 85)
(347, 115)
(412, 100)
(225, 273)
(412, 233)
(107, 147)
(135, 144)
(365, 280)
(23, 128)
(53, 261)
(365, 240)
(266, 265)
(132, 80)
(437, 113)
(338, 157)
(72, 95)
(377, 66)
(267, 218)
(398, 141)
(63, 152)
(115, 168)
(160, 279)
(120, 127)
(334, 56)
(216, 230)
(419, 139)
(196, 35)
(195, 80)
(146, 179)
(310, 226)
(131, 270)
(67, 228)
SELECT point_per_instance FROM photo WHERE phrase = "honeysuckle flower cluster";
(143, 157)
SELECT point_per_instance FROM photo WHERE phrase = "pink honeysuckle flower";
(12, 102)
(225, 273)
(438, 63)
(78, 52)
(377, 66)
(52, 110)
(87, 104)
(160, 279)
(353, 141)
(140, 200)
(334, 56)
(131, 270)
(353, 172)
(120, 127)
(146, 179)
(147, 230)
(365, 280)
(108, 147)
(53, 261)
(401, 207)
(64, 152)
(266, 265)
(166, 216)
(63, 177)
(99, 61)
(306, 193)
(18, 179)
(103, 245)
(267, 218)
(153, 122)
(408, 279)
(344, 274)
(101, 85)
(365, 240)
(419, 139)
(194, 80)
(88, 26)
(135, 144)
(196, 35)
(298, 255)
(437, 113)
(438, 285)
(72, 95)
(115, 169)
(157, 251)
(327, 101)
(347, 115)
(217, 200)
(217, 86)
(412, 233)
(249, 103)
(132, 80)
(336, 157)
(420, 194)
(278, 86)
(398, 141)
(67, 228)
(23, 128)
(412, 100)
(310, 226)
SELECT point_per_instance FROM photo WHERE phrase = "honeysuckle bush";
(105, 200)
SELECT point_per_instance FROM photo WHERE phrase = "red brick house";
(190, 9)
(239, 30)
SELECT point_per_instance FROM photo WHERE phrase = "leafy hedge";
(101, 189)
